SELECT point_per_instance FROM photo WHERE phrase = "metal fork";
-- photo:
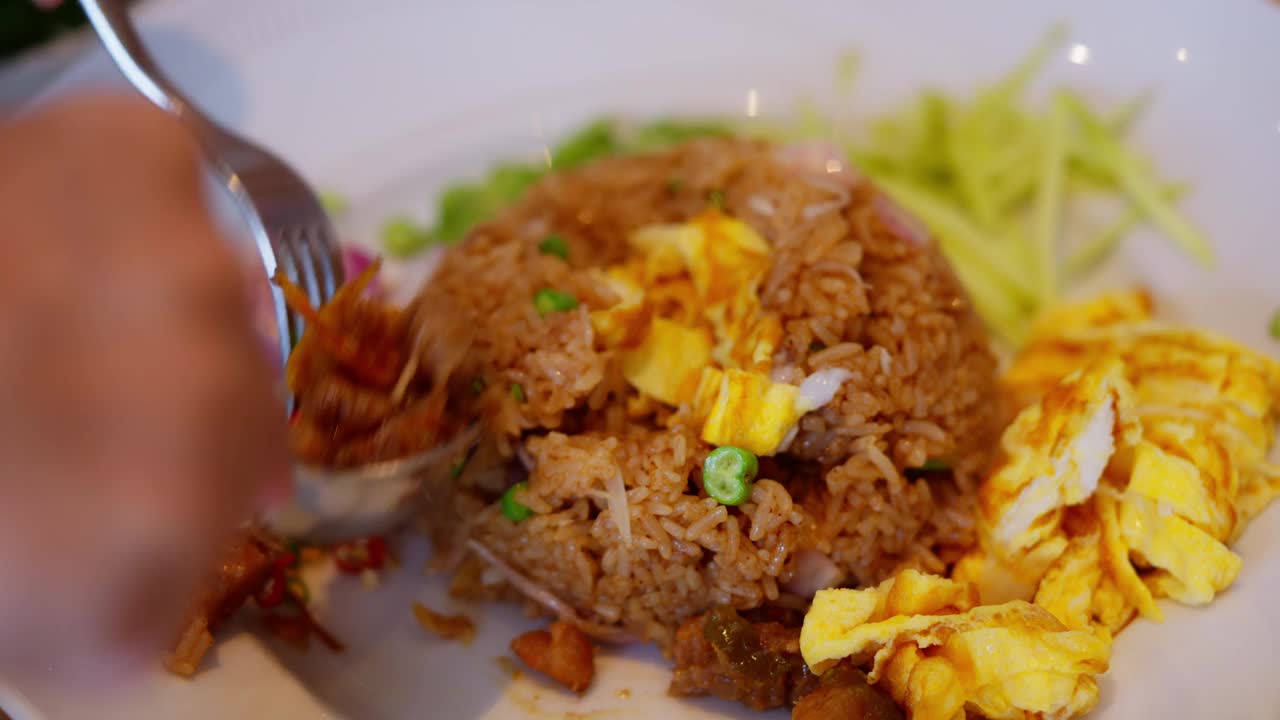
(290, 227)
(293, 233)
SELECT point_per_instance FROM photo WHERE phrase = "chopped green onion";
(727, 474)
(715, 199)
(1274, 327)
(675, 185)
(513, 509)
(403, 237)
(553, 244)
(517, 392)
(935, 465)
(478, 385)
(549, 301)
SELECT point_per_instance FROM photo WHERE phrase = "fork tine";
(286, 263)
(299, 246)
(329, 261)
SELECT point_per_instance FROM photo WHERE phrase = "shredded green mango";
(992, 178)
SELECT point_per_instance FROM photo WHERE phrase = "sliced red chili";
(272, 591)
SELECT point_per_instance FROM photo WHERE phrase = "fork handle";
(111, 21)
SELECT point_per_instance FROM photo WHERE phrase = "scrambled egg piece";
(669, 362)
(941, 656)
(624, 323)
(1052, 456)
(751, 412)
(1125, 481)
(691, 332)
(1193, 566)
(1068, 586)
(1114, 308)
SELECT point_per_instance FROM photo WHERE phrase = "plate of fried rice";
(818, 361)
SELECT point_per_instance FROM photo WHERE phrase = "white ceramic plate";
(387, 102)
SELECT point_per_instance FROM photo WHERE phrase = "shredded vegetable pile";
(992, 178)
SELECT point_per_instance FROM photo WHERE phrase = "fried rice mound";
(847, 503)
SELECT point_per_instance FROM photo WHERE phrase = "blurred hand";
(138, 425)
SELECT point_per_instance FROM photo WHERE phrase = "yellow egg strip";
(936, 654)
(1175, 490)
(690, 330)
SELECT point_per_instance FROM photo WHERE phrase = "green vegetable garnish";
(1133, 177)
(990, 177)
(554, 245)
(478, 385)
(464, 205)
(513, 509)
(1048, 203)
(1091, 253)
(402, 237)
(549, 301)
(517, 392)
(1274, 327)
(455, 470)
(669, 131)
(675, 185)
(935, 465)
(590, 143)
(333, 203)
(727, 474)
(715, 199)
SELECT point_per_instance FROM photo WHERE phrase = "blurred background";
(39, 39)
(36, 43)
